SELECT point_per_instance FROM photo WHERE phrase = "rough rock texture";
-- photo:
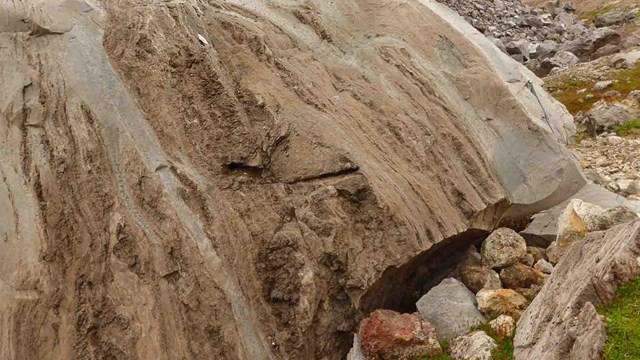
(610, 115)
(479, 277)
(573, 224)
(247, 195)
(611, 166)
(561, 322)
(521, 276)
(494, 303)
(475, 346)
(388, 335)
(543, 230)
(451, 308)
(503, 326)
(502, 248)
(543, 266)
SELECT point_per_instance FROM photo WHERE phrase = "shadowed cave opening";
(399, 288)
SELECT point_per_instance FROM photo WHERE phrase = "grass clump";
(629, 128)
(567, 91)
(504, 350)
(444, 356)
(623, 323)
(591, 15)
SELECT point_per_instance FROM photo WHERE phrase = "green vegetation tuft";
(623, 323)
(591, 15)
(629, 128)
(444, 356)
(504, 350)
(566, 90)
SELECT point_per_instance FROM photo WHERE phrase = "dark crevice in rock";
(399, 288)
(347, 171)
(237, 168)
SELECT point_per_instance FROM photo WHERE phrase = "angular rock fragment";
(451, 308)
(502, 248)
(503, 326)
(561, 323)
(388, 335)
(480, 277)
(494, 303)
(475, 346)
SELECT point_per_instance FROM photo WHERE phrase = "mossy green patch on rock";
(622, 317)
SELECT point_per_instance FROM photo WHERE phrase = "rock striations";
(233, 179)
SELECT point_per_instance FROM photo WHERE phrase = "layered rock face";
(232, 179)
(562, 322)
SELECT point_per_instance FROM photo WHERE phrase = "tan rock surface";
(245, 196)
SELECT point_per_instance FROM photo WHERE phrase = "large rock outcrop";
(241, 179)
(562, 322)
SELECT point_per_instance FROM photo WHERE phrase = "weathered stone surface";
(494, 303)
(574, 223)
(264, 185)
(543, 266)
(502, 248)
(388, 335)
(581, 218)
(356, 351)
(613, 17)
(538, 253)
(614, 216)
(561, 323)
(503, 326)
(479, 277)
(529, 293)
(609, 115)
(451, 308)
(521, 276)
(475, 346)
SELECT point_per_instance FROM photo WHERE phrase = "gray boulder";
(451, 308)
(543, 230)
(502, 248)
(561, 323)
(587, 43)
(609, 115)
(614, 17)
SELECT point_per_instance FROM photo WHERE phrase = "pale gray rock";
(356, 350)
(561, 323)
(451, 308)
(609, 115)
(614, 17)
(626, 60)
(502, 248)
(543, 266)
(543, 230)
(503, 326)
(475, 346)
(601, 85)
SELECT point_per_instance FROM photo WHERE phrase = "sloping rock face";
(562, 323)
(229, 179)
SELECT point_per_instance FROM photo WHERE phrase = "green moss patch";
(566, 90)
(629, 128)
(623, 323)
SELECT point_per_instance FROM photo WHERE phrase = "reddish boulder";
(387, 335)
